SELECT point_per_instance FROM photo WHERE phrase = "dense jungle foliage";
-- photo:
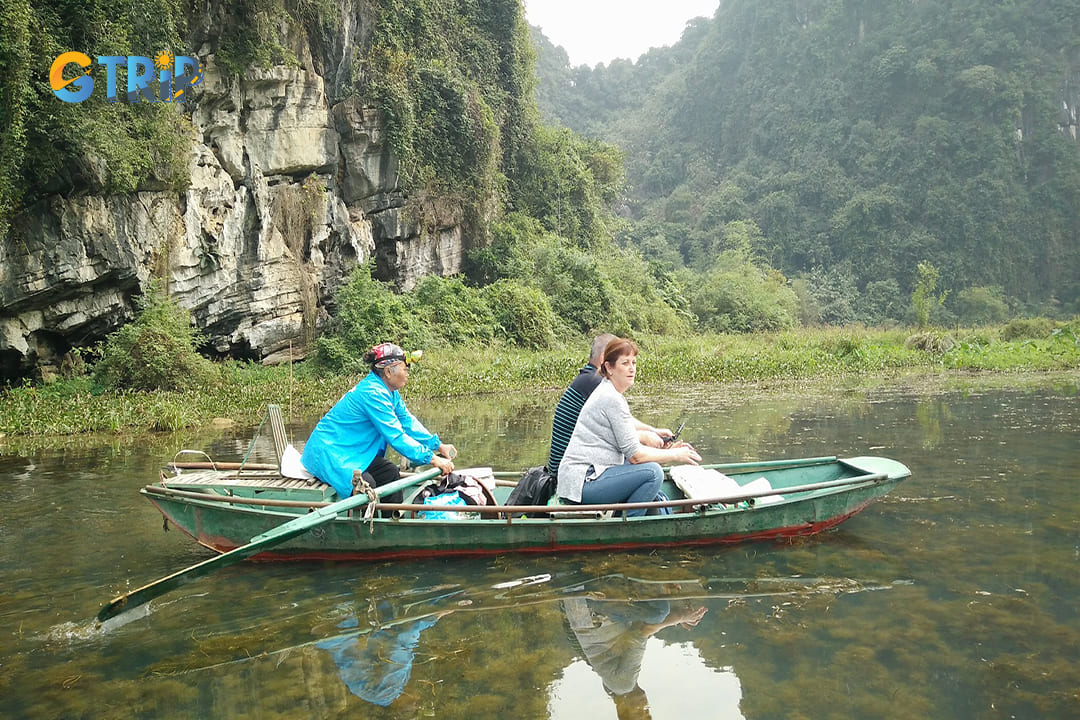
(452, 79)
(822, 162)
(844, 142)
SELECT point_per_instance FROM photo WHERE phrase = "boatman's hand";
(445, 465)
(448, 451)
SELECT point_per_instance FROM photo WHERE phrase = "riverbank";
(242, 391)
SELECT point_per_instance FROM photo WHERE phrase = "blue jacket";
(358, 429)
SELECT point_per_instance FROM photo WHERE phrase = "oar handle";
(257, 544)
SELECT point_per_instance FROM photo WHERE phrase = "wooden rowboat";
(224, 509)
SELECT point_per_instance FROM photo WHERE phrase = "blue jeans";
(624, 483)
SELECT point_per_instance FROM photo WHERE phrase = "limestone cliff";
(290, 189)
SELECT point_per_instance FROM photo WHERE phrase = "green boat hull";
(221, 516)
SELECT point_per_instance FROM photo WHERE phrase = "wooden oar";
(257, 544)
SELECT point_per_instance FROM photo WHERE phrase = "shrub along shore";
(240, 392)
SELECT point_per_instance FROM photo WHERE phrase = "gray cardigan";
(604, 436)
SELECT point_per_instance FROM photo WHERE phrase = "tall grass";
(240, 392)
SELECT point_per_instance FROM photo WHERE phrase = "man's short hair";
(596, 353)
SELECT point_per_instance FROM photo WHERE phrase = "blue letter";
(112, 75)
(140, 71)
(187, 74)
(164, 86)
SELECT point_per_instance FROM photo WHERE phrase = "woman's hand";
(682, 452)
(688, 617)
(650, 439)
(685, 452)
(448, 451)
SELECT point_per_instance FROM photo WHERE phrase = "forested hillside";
(787, 162)
(844, 142)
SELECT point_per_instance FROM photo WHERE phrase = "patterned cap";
(388, 353)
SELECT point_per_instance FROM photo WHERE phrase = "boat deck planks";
(239, 478)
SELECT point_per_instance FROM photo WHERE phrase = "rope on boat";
(253, 439)
(361, 485)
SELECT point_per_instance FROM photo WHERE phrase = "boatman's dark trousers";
(380, 472)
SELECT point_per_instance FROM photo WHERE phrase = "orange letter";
(84, 83)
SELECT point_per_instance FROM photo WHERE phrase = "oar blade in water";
(268, 539)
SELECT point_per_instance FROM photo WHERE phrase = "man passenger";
(572, 400)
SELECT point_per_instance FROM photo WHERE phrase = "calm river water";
(957, 596)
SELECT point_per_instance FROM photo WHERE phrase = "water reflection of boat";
(380, 648)
(613, 636)
(224, 509)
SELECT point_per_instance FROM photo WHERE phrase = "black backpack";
(535, 487)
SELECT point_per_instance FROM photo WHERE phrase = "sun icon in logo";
(163, 60)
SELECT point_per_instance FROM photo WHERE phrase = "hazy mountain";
(853, 140)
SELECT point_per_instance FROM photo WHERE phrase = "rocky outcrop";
(289, 191)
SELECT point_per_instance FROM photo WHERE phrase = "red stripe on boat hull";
(221, 544)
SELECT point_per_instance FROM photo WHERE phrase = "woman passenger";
(604, 462)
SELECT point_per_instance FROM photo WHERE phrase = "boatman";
(350, 441)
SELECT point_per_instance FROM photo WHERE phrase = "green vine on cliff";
(47, 145)
(14, 97)
(453, 81)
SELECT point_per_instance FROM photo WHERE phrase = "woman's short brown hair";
(615, 350)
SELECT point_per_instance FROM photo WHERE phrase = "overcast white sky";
(595, 31)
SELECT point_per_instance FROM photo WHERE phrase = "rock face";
(289, 192)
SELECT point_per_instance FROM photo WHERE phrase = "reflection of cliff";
(291, 186)
(304, 683)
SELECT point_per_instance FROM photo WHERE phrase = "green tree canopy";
(866, 137)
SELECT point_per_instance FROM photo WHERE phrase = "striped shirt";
(566, 414)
